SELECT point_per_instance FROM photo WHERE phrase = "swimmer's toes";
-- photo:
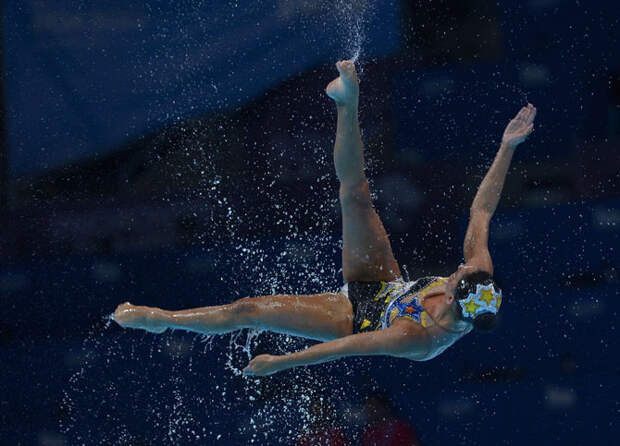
(346, 68)
(125, 314)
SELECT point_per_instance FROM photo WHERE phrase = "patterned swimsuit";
(377, 304)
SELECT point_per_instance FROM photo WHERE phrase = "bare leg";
(366, 253)
(318, 316)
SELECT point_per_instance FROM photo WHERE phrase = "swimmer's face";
(453, 281)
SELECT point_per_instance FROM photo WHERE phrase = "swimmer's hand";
(264, 365)
(520, 127)
(145, 318)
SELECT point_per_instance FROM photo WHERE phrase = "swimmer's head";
(476, 297)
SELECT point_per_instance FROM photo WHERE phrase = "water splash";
(162, 380)
(246, 347)
(352, 17)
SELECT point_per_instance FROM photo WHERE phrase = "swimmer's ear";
(449, 297)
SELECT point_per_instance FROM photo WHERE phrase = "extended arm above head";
(400, 340)
(475, 246)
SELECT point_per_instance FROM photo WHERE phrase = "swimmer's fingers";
(522, 115)
(531, 113)
(262, 365)
(520, 127)
(526, 114)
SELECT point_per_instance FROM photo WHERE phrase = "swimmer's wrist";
(507, 145)
(286, 361)
(293, 360)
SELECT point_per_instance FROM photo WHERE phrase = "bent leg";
(366, 252)
(318, 316)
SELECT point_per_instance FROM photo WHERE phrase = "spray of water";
(352, 17)
(161, 379)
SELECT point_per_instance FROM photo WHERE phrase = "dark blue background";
(84, 77)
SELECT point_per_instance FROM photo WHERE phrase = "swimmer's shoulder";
(439, 340)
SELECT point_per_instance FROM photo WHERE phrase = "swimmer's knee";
(356, 194)
(244, 310)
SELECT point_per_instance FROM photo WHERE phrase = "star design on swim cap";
(471, 307)
(487, 295)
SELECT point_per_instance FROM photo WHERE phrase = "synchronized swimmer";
(376, 312)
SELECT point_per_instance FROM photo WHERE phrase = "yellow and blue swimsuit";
(377, 304)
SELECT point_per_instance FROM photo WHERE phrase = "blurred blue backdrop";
(85, 77)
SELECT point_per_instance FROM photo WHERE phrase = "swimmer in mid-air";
(376, 312)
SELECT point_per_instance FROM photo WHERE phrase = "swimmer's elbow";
(394, 341)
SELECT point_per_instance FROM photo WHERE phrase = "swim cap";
(486, 299)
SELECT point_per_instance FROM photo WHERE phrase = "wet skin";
(366, 256)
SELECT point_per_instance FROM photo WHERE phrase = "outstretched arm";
(400, 340)
(475, 247)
